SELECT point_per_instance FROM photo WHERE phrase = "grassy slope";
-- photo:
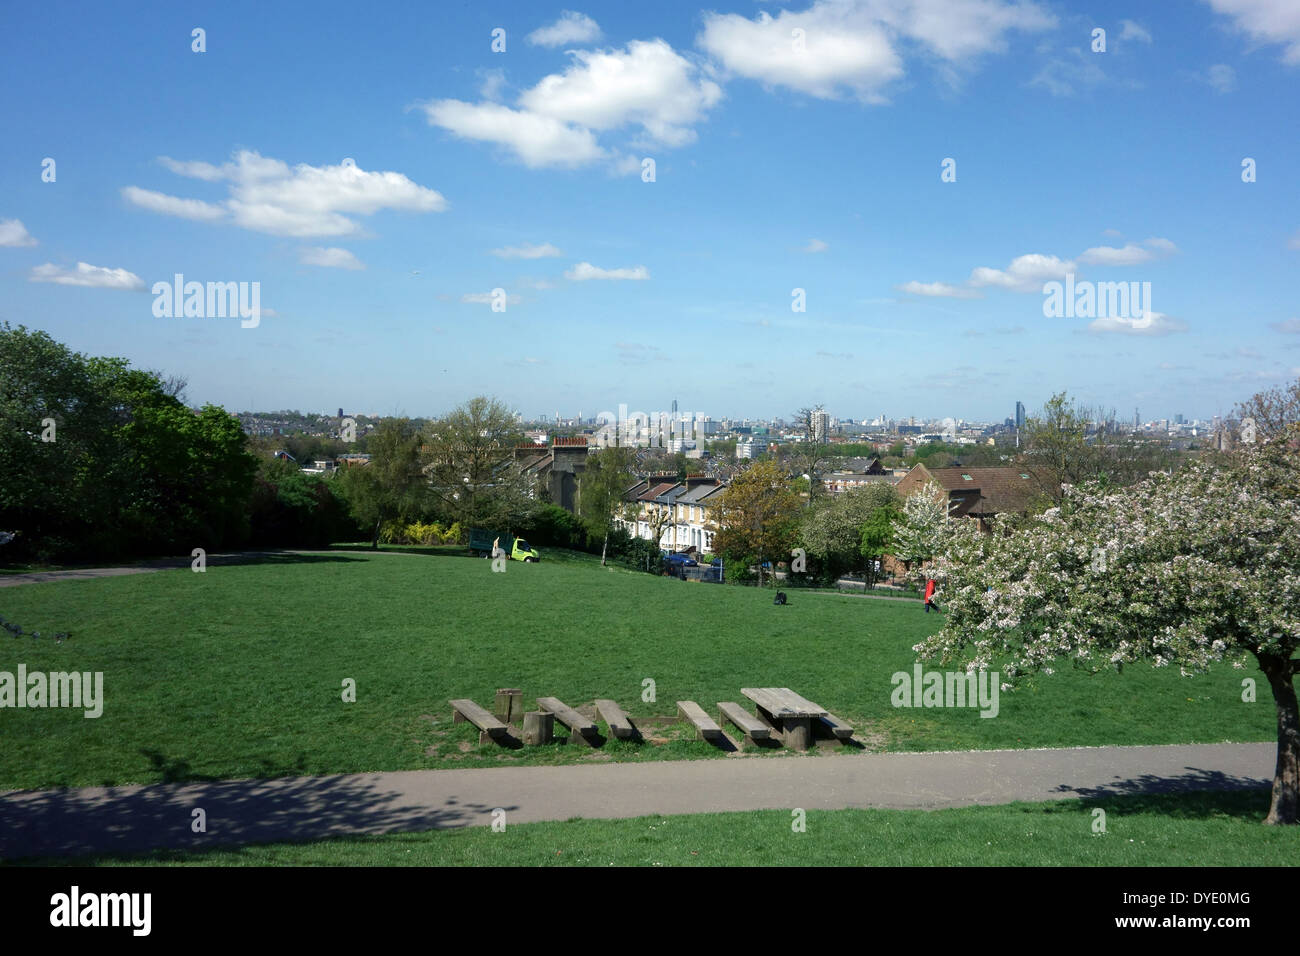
(1200, 829)
(238, 671)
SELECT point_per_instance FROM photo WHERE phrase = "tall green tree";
(757, 516)
(1059, 447)
(98, 459)
(832, 532)
(470, 459)
(393, 484)
(876, 534)
(602, 484)
(809, 455)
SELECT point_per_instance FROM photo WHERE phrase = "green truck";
(480, 542)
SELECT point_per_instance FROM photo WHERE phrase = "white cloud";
(487, 298)
(1110, 256)
(1294, 242)
(14, 233)
(849, 46)
(1062, 76)
(535, 140)
(648, 84)
(835, 55)
(97, 277)
(494, 81)
(572, 27)
(1288, 327)
(1026, 273)
(1129, 255)
(192, 169)
(1266, 21)
(1222, 77)
(195, 209)
(937, 289)
(1133, 31)
(528, 251)
(1154, 323)
(584, 271)
(267, 195)
(815, 245)
(331, 258)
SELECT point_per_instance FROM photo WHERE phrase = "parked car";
(680, 561)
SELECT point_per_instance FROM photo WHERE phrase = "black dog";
(780, 598)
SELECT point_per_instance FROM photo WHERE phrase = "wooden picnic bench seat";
(489, 727)
(582, 729)
(619, 723)
(750, 725)
(839, 728)
(705, 728)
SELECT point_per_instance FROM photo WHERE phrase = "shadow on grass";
(279, 557)
(51, 826)
(1196, 794)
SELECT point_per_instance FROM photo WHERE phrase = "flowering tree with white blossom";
(1183, 570)
(924, 525)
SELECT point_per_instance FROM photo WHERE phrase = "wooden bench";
(752, 728)
(839, 728)
(489, 727)
(619, 723)
(581, 729)
(705, 728)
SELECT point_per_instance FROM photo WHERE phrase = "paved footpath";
(133, 819)
(171, 564)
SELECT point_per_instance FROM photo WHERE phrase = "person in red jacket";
(929, 595)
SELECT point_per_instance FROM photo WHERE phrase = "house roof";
(696, 493)
(985, 491)
(858, 476)
(536, 462)
(656, 490)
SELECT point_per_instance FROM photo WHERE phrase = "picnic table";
(789, 715)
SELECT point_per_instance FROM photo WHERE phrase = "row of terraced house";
(683, 511)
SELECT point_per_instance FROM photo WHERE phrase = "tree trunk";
(604, 545)
(374, 542)
(1286, 778)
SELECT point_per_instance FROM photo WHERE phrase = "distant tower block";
(340, 413)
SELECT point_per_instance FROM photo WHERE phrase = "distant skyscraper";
(1137, 419)
(820, 426)
(1020, 414)
(340, 413)
(674, 408)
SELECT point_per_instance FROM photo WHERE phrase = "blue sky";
(776, 167)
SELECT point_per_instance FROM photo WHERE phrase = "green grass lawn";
(1198, 829)
(238, 672)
